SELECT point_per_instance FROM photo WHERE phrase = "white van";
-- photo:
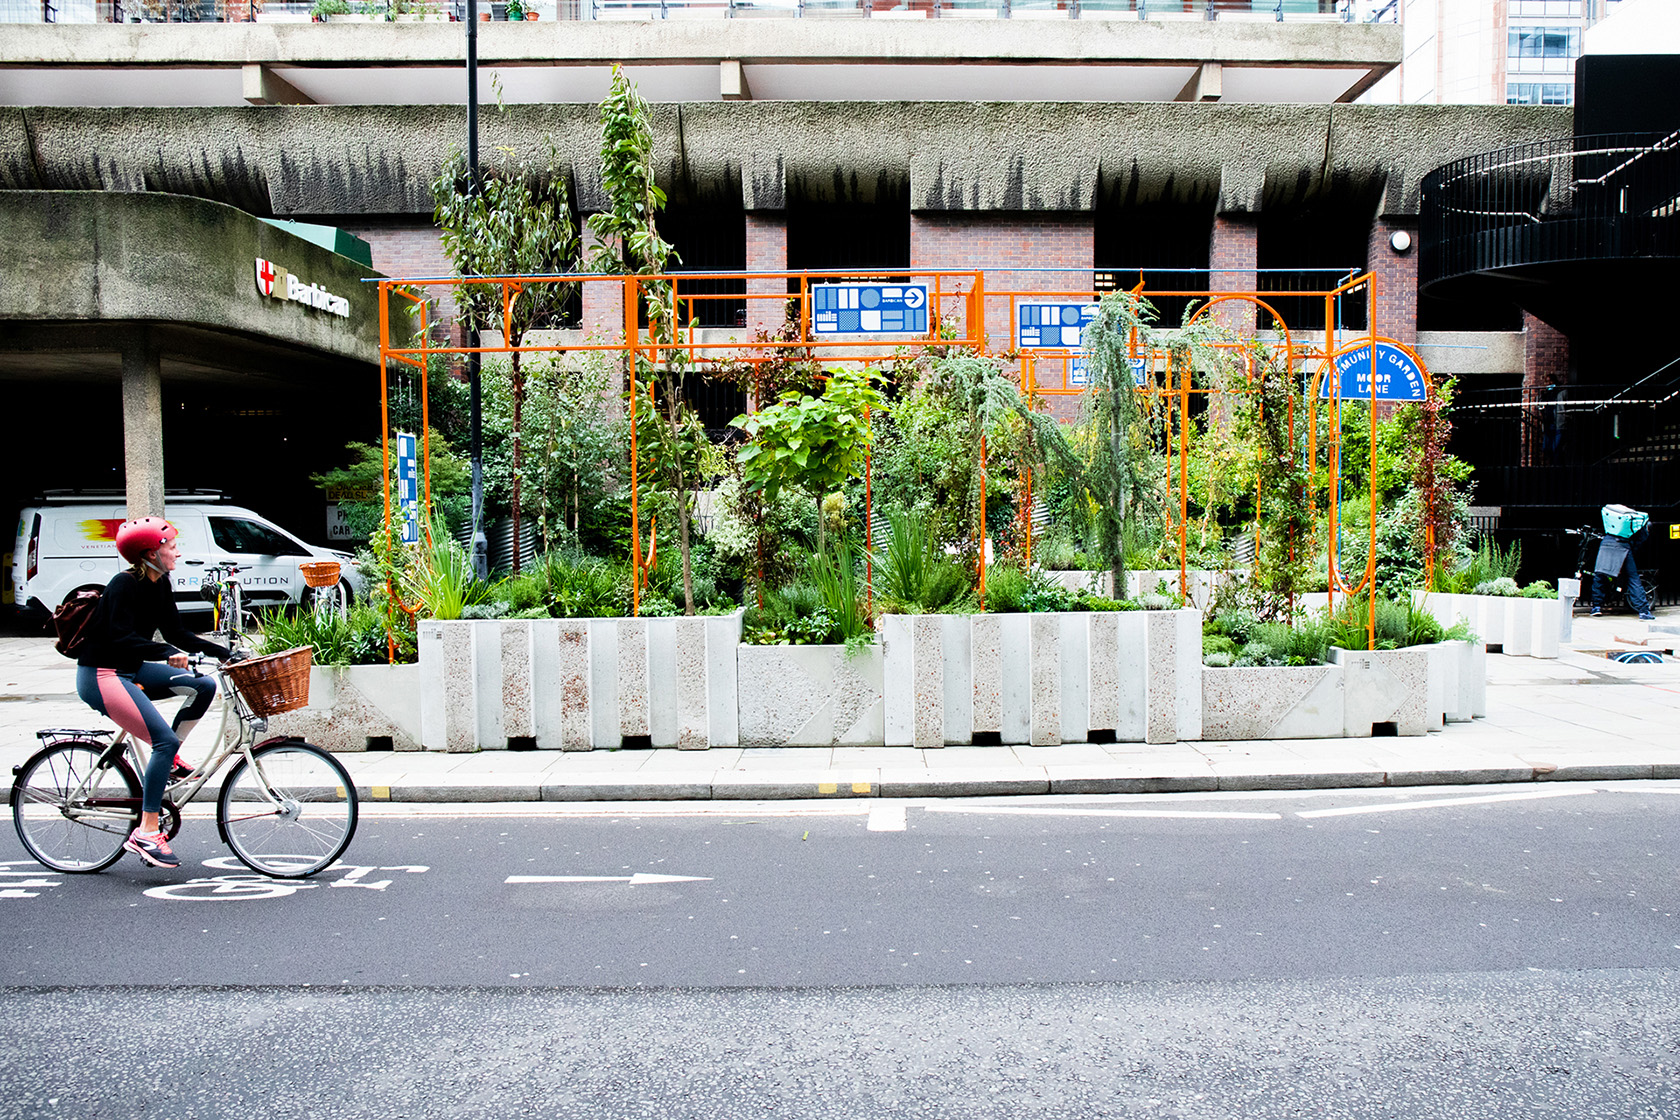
(68, 542)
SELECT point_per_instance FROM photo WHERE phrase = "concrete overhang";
(684, 61)
(92, 274)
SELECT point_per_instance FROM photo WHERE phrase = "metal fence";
(1588, 197)
(237, 11)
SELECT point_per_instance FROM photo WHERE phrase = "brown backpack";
(74, 621)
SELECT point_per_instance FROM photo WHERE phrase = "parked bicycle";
(221, 590)
(324, 591)
(1586, 557)
(287, 808)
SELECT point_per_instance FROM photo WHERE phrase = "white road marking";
(1447, 802)
(887, 818)
(1049, 811)
(637, 880)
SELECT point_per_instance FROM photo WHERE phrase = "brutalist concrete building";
(1203, 144)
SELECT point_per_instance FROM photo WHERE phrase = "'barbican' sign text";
(276, 283)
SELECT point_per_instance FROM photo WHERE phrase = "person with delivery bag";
(1624, 530)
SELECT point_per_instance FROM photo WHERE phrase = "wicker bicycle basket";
(320, 573)
(276, 683)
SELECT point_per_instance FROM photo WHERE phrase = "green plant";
(1501, 586)
(516, 222)
(834, 574)
(1539, 589)
(814, 443)
(356, 637)
(321, 9)
(441, 578)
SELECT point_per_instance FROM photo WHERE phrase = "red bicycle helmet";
(138, 537)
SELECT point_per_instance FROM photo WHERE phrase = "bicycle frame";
(181, 792)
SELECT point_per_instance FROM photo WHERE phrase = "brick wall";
(1545, 363)
(1396, 279)
(766, 252)
(1233, 256)
(405, 246)
(994, 241)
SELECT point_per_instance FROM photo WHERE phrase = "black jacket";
(131, 611)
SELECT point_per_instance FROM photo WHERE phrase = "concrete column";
(1233, 257)
(766, 252)
(142, 396)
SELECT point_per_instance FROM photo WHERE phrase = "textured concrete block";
(810, 696)
(1384, 686)
(1015, 677)
(957, 645)
(1102, 645)
(986, 637)
(605, 710)
(632, 676)
(518, 684)
(899, 692)
(434, 688)
(723, 639)
(1187, 659)
(1044, 637)
(692, 688)
(1075, 642)
(486, 639)
(1131, 713)
(1280, 702)
(1161, 684)
(662, 681)
(350, 704)
(567, 642)
(928, 677)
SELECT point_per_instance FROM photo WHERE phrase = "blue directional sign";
(1399, 378)
(869, 309)
(408, 487)
(1079, 374)
(1052, 326)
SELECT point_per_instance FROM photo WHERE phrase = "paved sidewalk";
(1580, 717)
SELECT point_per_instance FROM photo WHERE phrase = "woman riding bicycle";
(118, 673)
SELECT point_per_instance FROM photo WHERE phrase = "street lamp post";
(480, 543)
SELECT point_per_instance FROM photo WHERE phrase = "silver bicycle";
(287, 808)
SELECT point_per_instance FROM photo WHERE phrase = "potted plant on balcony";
(516, 10)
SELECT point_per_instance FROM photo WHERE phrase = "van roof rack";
(117, 495)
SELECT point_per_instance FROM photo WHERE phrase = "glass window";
(1539, 93)
(234, 534)
(1544, 42)
(1559, 8)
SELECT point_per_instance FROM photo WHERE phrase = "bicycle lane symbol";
(244, 887)
(21, 884)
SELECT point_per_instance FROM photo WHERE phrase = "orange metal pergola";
(958, 303)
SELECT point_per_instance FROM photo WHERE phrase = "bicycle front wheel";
(288, 811)
(72, 814)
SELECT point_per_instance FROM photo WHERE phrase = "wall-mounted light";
(1400, 241)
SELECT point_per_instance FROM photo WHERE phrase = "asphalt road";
(1462, 952)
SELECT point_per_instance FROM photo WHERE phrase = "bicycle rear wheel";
(290, 814)
(84, 836)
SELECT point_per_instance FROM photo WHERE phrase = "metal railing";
(1585, 198)
(239, 11)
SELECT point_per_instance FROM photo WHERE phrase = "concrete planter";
(349, 705)
(1077, 579)
(1273, 702)
(1203, 586)
(577, 684)
(811, 696)
(1457, 682)
(1041, 678)
(1385, 686)
(1518, 627)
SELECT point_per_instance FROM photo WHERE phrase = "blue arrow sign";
(869, 309)
(1080, 374)
(1399, 378)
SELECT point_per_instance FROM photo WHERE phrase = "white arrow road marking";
(1447, 802)
(637, 880)
(1026, 811)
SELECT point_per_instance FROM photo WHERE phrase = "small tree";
(628, 241)
(514, 222)
(1120, 472)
